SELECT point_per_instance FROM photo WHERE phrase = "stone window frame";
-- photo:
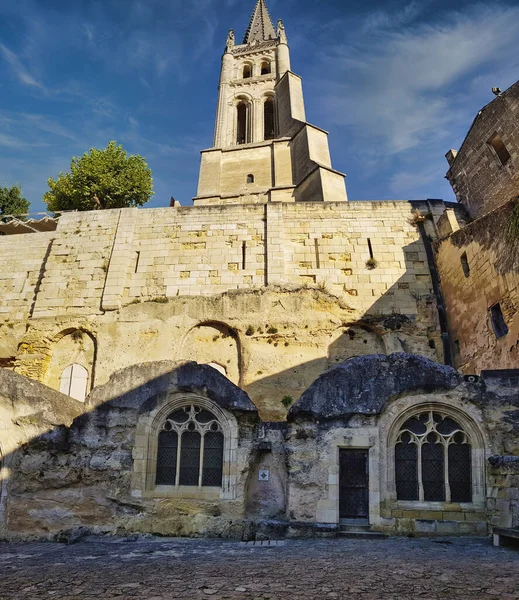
(245, 99)
(146, 443)
(478, 456)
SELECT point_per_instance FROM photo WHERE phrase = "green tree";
(101, 179)
(12, 202)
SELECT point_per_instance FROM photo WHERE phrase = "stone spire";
(260, 28)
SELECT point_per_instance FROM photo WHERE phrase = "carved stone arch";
(467, 416)
(265, 60)
(247, 69)
(73, 345)
(243, 120)
(214, 342)
(356, 339)
(145, 452)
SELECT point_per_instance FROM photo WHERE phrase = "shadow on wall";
(403, 319)
(63, 467)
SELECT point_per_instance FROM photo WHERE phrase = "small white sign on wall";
(264, 475)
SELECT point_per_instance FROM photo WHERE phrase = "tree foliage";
(101, 179)
(12, 202)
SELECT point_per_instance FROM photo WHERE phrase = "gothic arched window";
(190, 449)
(74, 382)
(242, 123)
(433, 460)
(268, 119)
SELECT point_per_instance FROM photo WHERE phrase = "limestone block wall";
(75, 272)
(479, 179)
(478, 266)
(282, 289)
(22, 259)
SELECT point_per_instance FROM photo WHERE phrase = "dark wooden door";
(353, 484)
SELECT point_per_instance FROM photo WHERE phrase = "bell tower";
(264, 150)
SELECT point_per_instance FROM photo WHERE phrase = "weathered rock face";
(97, 469)
(30, 413)
(362, 403)
(363, 385)
(90, 481)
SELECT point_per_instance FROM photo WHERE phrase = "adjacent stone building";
(272, 361)
(478, 263)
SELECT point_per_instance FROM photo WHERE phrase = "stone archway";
(214, 343)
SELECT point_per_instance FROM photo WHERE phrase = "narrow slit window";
(137, 258)
(244, 255)
(242, 123)
(498, 321)
(370, 248)
(500, 149)
(317, 258)
(268, 121)
(465, 264)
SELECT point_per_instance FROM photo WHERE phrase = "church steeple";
(263, 149)
(260, 28)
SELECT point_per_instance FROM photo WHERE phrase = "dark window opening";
(465, 264)
(265, 68)
(498, 321)
(243, 255)
(445, 473)
(190, 449)
(250, 178)
(500, 149)
(370, 248)
(268, 119)
(432, 344)
(137, 258)
(242, 129)
(247, 71)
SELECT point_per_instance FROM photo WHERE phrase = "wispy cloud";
(20, 71)
(403, 87)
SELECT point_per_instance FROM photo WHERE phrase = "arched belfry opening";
(265, 67)
(242, 123)
(268, 119)
(247, 71)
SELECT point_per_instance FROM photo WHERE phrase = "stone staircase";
(359, 530)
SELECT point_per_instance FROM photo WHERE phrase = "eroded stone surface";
(362, 385)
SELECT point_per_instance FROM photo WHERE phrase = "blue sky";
(396, 83)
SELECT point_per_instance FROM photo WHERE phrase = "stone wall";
(479, 179)
(289, 284)
(341, 411)
(63, 470)
(489, 277)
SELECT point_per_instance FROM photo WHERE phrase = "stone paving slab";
(163, 569)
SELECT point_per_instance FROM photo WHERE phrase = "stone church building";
(274, 360)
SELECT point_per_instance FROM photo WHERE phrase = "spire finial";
(260, 28)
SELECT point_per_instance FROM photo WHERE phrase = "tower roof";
(260, 28)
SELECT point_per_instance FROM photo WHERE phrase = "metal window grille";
(190, 449)
(433, 460)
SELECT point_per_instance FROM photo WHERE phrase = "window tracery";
(190, 448)
(433, 459)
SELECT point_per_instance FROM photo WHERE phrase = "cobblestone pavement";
(160, 569)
